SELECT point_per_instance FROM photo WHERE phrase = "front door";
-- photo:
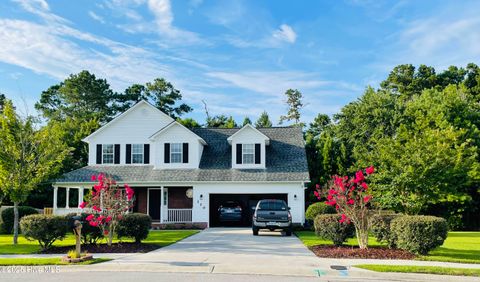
(154, 197)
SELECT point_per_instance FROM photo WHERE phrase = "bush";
(327, 226)
(90, 234)
(381, 228)
(134, 225)
(46, 229)
(7, 217)
(419, 234)
(318, 208)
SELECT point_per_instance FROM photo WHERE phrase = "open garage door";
(247, 203)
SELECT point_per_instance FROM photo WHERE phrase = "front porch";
(165, 204)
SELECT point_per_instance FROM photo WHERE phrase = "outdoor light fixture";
(295, 197)
(201, 196)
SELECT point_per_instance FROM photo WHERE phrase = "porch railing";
(178, 216)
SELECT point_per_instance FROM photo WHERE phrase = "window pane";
(108, 148)
(108, 158)
(137, 158)
(176, 148)
(176, 158)
(247, 158)
(248, 148)
(137, 148)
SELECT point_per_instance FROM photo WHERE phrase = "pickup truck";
(272, 215)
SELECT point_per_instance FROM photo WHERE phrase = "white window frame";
(112, 154)
(178, 151)
(247, 150)
(142, 153)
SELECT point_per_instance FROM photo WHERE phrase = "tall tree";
(230, 123)
(2, 101)
(28, 156)
(188, 122)
(160, 92)
(81, 96)
(295, 105)
(246, 121)
(217, 121)
(263, 120)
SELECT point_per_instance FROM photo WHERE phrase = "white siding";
(250, 136)
(202, 191)
(178, 134)
(133, 128)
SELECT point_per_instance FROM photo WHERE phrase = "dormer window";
(176, 153)
(137, 153)
(107, 154)
(248, 153)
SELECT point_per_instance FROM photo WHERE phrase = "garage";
(244, 202)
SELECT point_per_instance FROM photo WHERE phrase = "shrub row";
(8, 217)
(416, 234)
(46, 229)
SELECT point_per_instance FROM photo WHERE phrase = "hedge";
(419, 234)
(134, 225)
(327, 226)
(8, 217)
(46, 229)
(380, 228)
(318, 208)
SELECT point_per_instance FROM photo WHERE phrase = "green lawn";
(421, 269)
(158, 237)
(458, 247)
(45, 261)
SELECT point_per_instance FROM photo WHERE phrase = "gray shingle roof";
(285, 156)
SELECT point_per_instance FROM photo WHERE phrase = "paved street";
(232, 254)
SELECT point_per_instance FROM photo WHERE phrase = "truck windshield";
(272, 206)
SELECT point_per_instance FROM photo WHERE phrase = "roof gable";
(251, 128)
(171, 125)
(134, 108)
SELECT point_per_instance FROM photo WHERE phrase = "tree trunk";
(362, 238)
(15, 223)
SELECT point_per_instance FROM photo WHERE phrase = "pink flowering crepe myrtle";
(351, 198)
(107, 205)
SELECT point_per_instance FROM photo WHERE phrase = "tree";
(160, 93)
(263, 120)
(2, 101)
(230, 123)
(108, 204)
(295, 104)
(81, 97)
(188, 122)
(351, 198)
(246, 121)
(28, 156)
(217, 121)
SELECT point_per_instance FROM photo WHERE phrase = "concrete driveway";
(231, 250)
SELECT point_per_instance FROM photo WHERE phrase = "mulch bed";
(357, 253)
(104, 248)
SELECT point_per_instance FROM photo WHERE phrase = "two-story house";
(183, 175)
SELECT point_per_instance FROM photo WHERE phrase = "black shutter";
(117, 153)
(128, 154)
(99, 153)
(185, 153)
(257, 153)
(239, 153)
(166, 151)
(146, 153)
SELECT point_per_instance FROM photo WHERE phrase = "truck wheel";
(255, 231)
(288, 232)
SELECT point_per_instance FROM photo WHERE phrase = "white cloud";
(285, 33)
(96, 17)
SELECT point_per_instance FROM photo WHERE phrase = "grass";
(462, 247)
(46, 261)
(161, 238)
(421, 269)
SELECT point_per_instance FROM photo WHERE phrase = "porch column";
(67, 198)
(55, 193)
(162, 196)
(80, 195)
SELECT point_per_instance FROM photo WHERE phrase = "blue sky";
(238, 56)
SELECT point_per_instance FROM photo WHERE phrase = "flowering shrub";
(107, 205)
(350, 197)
